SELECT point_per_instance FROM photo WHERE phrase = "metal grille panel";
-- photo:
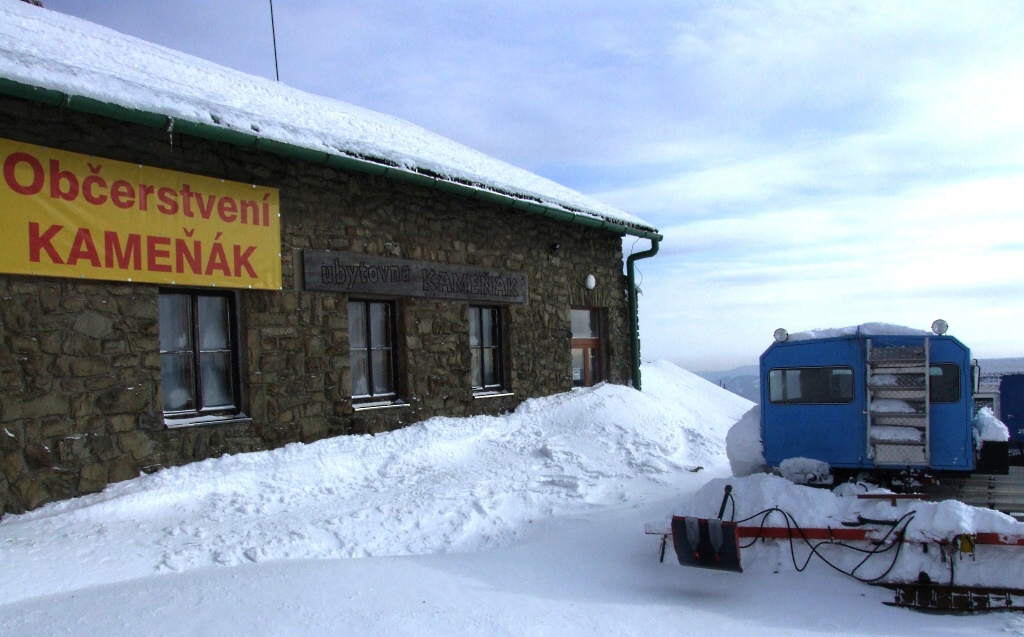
(900, 454)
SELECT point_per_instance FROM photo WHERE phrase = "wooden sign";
(355, 274)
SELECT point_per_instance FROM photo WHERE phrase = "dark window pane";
(811, 385)
(485, 347)
(944, 383)
(842, 385)
(380, 325)
(215, 371)
(175, 323)
(487, 326)
(213, 322)
(357, 324)
(496, 328)
(474, 326)
(371, 326)
(477, 369)
(198, 365)
(176, 377)
(489, 375)
(360, 373)
(382, 371)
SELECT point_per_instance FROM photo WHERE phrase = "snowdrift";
(444, 485)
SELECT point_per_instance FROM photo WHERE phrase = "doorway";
(586, 347)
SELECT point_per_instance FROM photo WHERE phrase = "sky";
(810, 165)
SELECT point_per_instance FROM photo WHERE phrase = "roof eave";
(359, 164)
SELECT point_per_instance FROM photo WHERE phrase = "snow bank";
(743, 444)
(805, 471)
(820, 508)
(46, 49)
(988, 427)
(444, 485)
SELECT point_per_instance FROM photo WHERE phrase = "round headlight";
(939, 326)
(781, 335)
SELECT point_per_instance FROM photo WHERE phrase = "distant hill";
(742, 381)
(1001, 365)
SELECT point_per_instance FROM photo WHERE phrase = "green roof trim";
(106, 109)
(217, 133)
(34, 93)
(210, 132)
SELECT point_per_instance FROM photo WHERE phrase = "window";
(198, 354)
(485, 344)
(586, 348)
(811, 385)
(371, 337)
(944, 383)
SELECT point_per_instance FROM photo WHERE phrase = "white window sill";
(381, 404)
(493, 394)
(205, 419)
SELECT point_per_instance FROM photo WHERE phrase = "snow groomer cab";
(880, 399)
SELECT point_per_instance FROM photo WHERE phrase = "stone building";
(200, 262)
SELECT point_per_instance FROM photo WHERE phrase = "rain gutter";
(634, 315)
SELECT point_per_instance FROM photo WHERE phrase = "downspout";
(634, 316)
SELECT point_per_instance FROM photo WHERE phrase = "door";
(586, 347)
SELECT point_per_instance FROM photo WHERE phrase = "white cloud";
(953, 251)
(810, 164)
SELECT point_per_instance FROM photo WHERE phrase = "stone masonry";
(80, 401)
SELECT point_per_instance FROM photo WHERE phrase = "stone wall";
(80, 402)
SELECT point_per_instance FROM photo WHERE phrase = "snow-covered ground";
(530, 523)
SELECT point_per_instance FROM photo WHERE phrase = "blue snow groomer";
(876, 398)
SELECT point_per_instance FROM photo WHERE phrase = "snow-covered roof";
(44, 49)
(864, 329)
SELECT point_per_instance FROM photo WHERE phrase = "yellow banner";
(70, 215)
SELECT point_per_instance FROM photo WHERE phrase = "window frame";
(373, 397)
(497, 348)
(201, 412)
(837, 399)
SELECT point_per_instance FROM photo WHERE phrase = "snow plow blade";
(709, 543)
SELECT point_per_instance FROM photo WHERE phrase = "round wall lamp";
(591, 282)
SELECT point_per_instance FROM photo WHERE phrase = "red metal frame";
(860, 534)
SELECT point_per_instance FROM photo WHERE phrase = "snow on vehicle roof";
(866, 329)
(48, 50)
